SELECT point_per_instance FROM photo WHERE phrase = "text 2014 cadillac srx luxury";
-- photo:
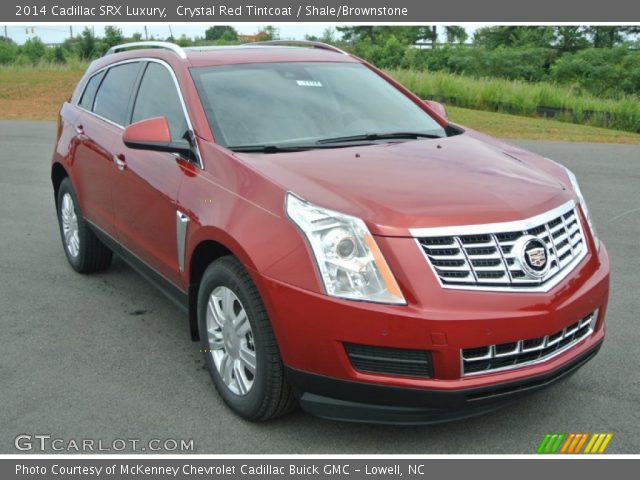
(335, 241)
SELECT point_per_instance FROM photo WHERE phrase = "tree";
(8, 50)
(356, 34)
(113, 36)
(86, 44)
(58, 55)
(609, 37)
(328, 36)
(136, 37)
(34, 49)
(514, 36)
(216, 32)
(271, 32)
(493, 37)
(456, 33)
(229, 36)
(392, 53)
(379, 35)
(570, 38)
(184, 41)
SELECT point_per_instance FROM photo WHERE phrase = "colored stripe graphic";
(573, 443)
(581, 442)
(598, 443)
(551, 442)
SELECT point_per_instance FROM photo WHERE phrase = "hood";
(457, 180)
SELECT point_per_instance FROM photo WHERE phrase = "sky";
(57, 33)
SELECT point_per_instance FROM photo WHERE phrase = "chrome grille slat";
(561, 238)
(490, 268)
(486, 252)
(478, 245)
(557, 228)
(453, 268)
(564, 249)
(520, 353)
(458, 256)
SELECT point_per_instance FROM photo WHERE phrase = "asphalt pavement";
(106, 357)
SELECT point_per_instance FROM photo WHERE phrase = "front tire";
(239, 345)
(84, 251)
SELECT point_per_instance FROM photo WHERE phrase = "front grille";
(393, 361)
(520, 353)
(483, 256)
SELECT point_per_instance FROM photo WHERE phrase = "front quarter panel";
(231, 204)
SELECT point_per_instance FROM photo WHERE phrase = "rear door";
(146, 186)
(103, 105)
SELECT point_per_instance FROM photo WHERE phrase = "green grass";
(36, 93)
(506, 126)
(522, 98)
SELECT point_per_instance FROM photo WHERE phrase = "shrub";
(34, 50)
(8, 51)
(601, 71)
(522, 98)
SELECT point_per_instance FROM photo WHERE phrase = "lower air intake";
(390, 361)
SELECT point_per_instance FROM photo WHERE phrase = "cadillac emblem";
(532, 256)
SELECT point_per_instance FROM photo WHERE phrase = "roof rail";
(301, 43)
(177, 49)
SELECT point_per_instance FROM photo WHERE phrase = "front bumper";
(312, 330)
(364, 402)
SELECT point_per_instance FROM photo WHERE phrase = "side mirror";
(438, 107)
(154, 134)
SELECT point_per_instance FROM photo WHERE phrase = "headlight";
(350, 263)
(583, 205)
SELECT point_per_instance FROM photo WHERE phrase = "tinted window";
(90, 91)
(280, 103)
(113, 95)
(158, 97)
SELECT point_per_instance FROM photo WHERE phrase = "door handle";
(119, 161)
(79, 129)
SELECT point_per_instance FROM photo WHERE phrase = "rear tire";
(236, 335)
(84, 251)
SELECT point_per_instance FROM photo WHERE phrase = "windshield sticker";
(308, 83)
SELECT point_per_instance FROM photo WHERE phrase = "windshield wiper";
(378, 136)
(283, 148)
(268, 148)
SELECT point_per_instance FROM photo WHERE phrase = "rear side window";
(90, 90)
(158, 97)
(112, 99)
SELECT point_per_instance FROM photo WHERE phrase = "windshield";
(304, 103)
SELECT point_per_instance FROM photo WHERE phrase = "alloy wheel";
(69, 221)
(230, 340)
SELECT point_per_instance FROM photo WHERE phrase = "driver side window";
(158, 97)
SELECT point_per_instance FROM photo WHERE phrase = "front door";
(146, 185)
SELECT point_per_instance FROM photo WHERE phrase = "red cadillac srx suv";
(334, 240)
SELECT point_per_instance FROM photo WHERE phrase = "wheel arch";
(58, 174)
(209, 245)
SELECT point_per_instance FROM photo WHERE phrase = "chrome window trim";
(110, 122)
(492, 228)
(176, 84)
